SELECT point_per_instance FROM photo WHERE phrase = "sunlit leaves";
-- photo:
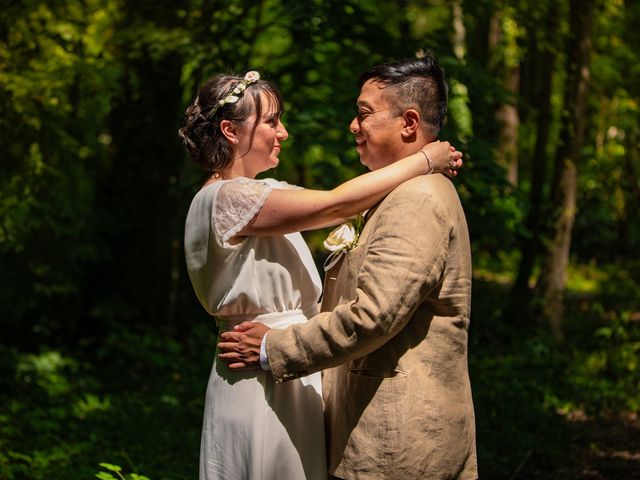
(117, 469)
(459, 110)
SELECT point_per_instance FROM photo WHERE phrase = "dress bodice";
(258, 275)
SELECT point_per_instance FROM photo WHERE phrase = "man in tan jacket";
(396, 307)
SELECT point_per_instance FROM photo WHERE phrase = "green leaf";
(105, 476)
(113, 468)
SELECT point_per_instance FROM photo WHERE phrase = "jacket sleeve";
(404, 262)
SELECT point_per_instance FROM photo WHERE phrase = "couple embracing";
(394, 400)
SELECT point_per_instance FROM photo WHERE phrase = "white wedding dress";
(254, 428)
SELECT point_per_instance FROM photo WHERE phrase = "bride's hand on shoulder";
(444, 157)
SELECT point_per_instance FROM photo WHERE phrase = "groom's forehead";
(375, 94)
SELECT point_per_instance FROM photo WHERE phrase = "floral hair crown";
(234, 95)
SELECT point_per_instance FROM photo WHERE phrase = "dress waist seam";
(229, 320)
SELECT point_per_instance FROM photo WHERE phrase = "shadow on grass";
(135, 400)
(512, 369)
(136, 397)
(536, 402)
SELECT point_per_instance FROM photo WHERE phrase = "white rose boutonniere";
(342, 239)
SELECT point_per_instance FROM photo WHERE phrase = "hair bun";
(193, 113)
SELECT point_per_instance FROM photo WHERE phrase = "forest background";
(104, 351)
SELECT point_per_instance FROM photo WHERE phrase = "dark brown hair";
(201, 134)
(416, 83)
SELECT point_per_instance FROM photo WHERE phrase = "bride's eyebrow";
(271, 115)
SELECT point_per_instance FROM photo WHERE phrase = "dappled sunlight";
(611, 444)
(499, 268)
(48, 370)
(105, 351)
(526, 387)
(67, 415)
(89, 404)
(501, 278)
(586, 279)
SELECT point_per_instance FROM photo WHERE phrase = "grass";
(135, 398)
(535, 400)
(135, 401)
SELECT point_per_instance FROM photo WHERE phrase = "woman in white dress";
(246, 261)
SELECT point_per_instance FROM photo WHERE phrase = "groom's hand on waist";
(240, 348)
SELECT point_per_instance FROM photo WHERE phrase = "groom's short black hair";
(417, 83)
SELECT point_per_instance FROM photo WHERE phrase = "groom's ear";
(411, 119)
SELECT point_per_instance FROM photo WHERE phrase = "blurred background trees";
(94, 188)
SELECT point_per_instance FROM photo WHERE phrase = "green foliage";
(92, 94)
(138, 398)
(102, 336)
(605, 373)
(58, 80)
(610, 181)
(527, 390)
(65, 411)
(117, 470)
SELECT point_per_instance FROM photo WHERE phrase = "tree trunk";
(138, 193)
(458, 37)
(552, 282)
(506, 113)
(509, 121)
(630, 184)
(404, 25)
(553, 277)
(530, 73)
(531, 243)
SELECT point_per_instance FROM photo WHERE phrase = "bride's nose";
(281, 132)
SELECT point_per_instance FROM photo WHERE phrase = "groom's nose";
(354, 126)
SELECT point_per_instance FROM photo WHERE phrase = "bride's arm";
(295, 210)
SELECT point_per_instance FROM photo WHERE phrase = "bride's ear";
(229, 130)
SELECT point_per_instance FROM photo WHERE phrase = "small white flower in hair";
(234, 95)
(252, 76)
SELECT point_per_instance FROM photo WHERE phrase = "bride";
(247, 261)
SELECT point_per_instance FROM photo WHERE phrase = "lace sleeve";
(281, 184)
(237, 202)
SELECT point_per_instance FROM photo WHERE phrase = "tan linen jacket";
(395, 327)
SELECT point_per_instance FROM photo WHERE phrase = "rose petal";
(342, 237)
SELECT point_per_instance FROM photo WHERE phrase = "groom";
(396, 307)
